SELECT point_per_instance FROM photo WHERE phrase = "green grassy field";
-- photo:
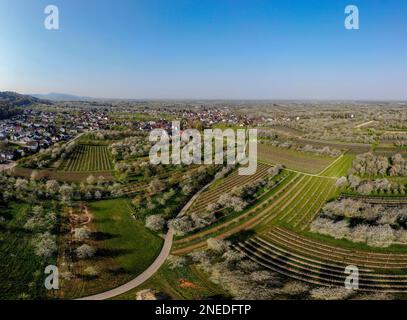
(125, 249)
(140, 245)
(22, 272)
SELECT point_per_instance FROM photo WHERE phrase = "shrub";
(81, 233)
(202, 219)
(52, 186)
(217, 245)
(331, 293)
(181, 226)
(44, 245)
(342, 182)
(91, 179)
(375, 236)
(91, 271)
(66, 193)
(295, 288)
(155, 222)
(85, 251)
(176, 261)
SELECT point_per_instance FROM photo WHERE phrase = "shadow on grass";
(104, 252)
(241, 236)
(16, 230)
(117, 271)
(88, 277)
(98, 236)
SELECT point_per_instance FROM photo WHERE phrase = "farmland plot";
(59, 175)
(281, 244)
(340, 167)
(299, 161)
(274, 232)
(315, 262)
(248, 219)
(88, 158)
(295, 202)
(211, 195)
(352, 148)
(390, 151)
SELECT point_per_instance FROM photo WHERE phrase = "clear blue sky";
(253, 49)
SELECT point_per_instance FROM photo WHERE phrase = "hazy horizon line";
(90, 97)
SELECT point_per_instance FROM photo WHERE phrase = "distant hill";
(7, 110)
(11, 103)
(61, 97)
(15, 99)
